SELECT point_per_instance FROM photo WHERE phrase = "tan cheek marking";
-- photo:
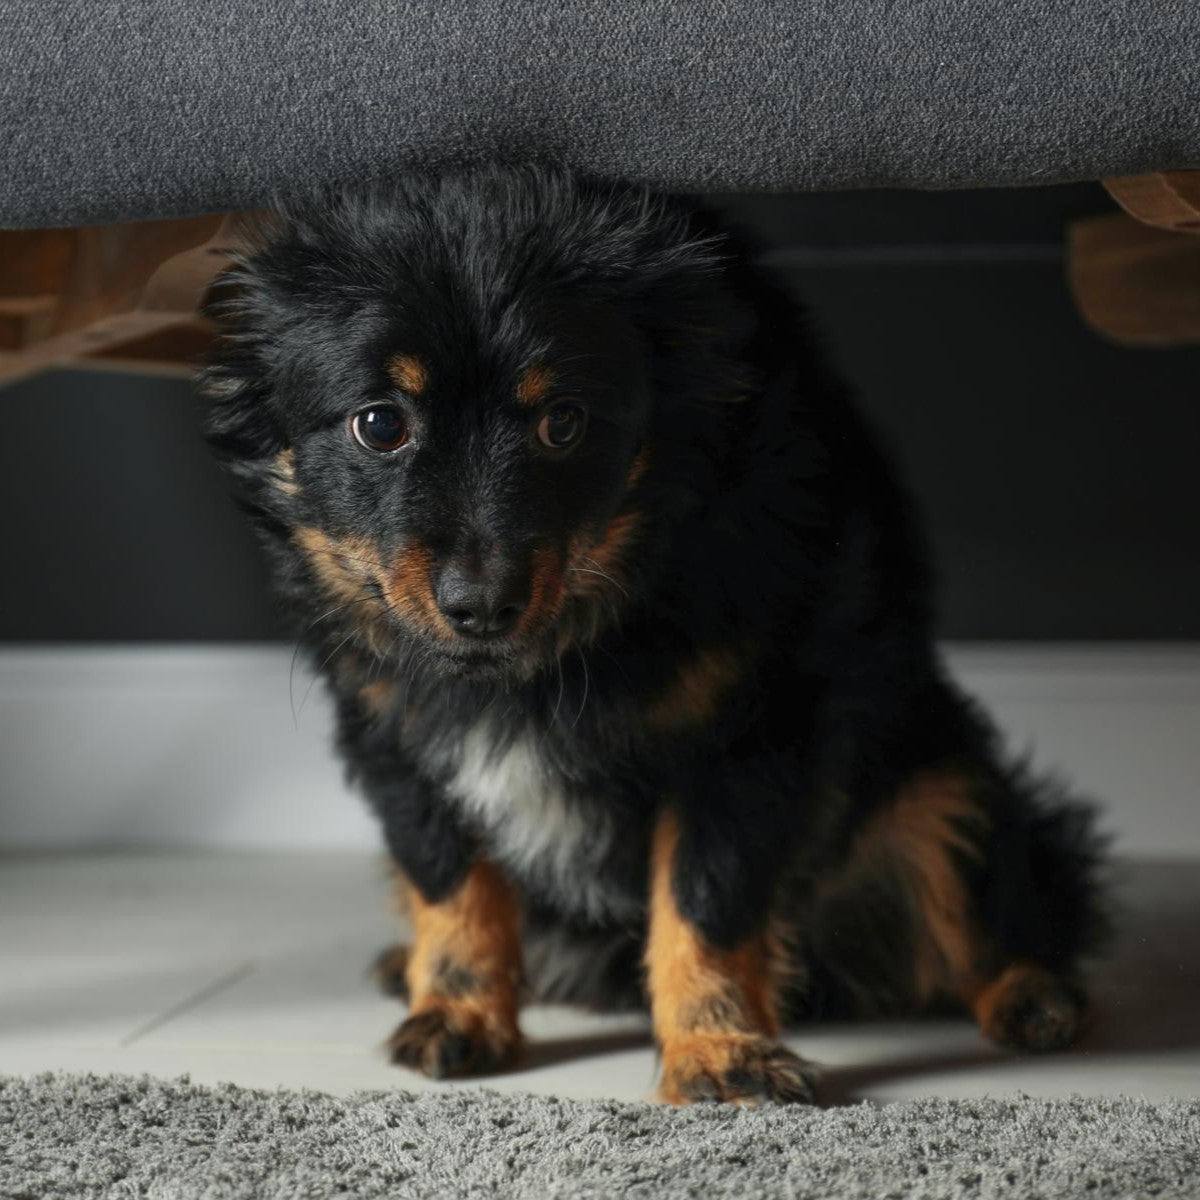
(617, 538)
(637, 468)
(594, 572)
(603, 556)
(693, 697)
(284, 473)
(409, 589)
(408, 373)
(344, 567)
(595, 580)
(377, 697)
(546, 590)
(533, 386)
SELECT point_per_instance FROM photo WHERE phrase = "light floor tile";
(252, 968)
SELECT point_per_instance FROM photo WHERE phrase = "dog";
(629, 627)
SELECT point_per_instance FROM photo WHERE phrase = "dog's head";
(448, 397)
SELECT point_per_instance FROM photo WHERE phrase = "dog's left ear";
(698, 328)
(682, 285)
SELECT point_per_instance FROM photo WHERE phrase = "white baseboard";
(183, 745)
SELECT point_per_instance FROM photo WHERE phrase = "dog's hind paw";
(390, 971)
(1029, 1008)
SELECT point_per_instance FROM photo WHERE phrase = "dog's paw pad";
(1029, 1008)
(735, 1069)
(441, 1044)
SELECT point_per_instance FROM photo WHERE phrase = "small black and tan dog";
(629, 629)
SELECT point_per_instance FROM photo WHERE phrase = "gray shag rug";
(77, 1136)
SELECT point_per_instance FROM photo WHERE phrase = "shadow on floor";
(1145, 998)
(1145, 992)
(552, 1051)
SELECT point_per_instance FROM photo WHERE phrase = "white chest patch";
(532, 823)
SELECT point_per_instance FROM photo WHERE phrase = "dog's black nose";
(482, 603)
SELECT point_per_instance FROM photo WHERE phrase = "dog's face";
(446, 393)
(475, 490)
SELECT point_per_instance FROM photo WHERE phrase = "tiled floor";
(251, 968)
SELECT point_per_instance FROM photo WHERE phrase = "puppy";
(629, 629)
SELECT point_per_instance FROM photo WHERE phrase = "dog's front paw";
(441, 1042)
(737, 1068)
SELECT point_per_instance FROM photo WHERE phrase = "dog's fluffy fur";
(716, 765)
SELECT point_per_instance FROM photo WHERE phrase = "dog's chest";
(556, 837)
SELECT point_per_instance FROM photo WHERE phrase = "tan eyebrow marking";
(533, 385)
(408, 373)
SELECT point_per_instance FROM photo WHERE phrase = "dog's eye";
(562, 426)
(381, 428)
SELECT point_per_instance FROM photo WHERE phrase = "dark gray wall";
(116, 523)
(1057, 472)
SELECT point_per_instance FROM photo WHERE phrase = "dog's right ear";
(242, 422)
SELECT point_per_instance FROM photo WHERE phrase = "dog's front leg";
(715, 1006)
(463, 971)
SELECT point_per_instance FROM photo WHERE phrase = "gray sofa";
(120, 109)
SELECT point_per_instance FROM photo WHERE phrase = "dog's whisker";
(587, 558)
(317, 674)
(291, 684)
(343, 556)
(339, 608)
(602, 575)
(381, 660)
(366, 562)
(300, 645)
(409, 676)
(561, 687)
(616, 662)
(586, 687)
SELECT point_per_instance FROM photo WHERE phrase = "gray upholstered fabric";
(107, 1136)
(123, 108)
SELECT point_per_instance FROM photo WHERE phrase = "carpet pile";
(91, 1136)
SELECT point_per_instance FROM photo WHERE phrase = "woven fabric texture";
(115, 109)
